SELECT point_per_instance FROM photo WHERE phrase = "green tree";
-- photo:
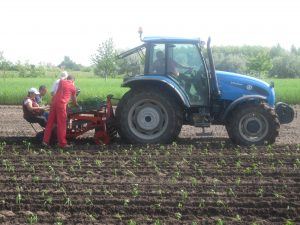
(68, 64)
(105, 59)
(277, 51)
(286, 67)
(260, 63)
(4, 64)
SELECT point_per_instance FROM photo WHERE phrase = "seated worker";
(32, 112)
(159, 65)
(43, 92)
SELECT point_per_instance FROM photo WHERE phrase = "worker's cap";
(64, 75)
(34, 90)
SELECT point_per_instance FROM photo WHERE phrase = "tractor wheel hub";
(148, 118)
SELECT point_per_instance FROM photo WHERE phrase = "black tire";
(253, 124)
(148, 116)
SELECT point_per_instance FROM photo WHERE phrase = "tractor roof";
(171, 40)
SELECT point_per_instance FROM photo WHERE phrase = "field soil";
(13, 125)
(197, 180)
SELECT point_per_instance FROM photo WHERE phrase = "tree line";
(252, 60)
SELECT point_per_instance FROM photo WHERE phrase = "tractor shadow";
(89, 144)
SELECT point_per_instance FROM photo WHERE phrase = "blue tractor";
(178, 86)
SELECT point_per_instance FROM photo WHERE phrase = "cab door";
(186, 65)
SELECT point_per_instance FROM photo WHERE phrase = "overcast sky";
(47, 30)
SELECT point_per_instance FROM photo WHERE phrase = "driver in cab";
(173, 66)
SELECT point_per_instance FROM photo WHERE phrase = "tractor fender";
(243, 99)
(156, 80)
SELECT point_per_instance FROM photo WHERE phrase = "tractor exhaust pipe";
(216, 90)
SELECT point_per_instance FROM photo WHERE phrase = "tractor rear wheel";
(253, 125)
(148, 116)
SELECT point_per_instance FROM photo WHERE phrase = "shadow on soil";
(89, 141)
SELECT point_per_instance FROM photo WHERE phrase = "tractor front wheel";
(148, 116)
(253, 125)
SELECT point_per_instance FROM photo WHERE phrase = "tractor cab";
(179, 60)
(184, 64)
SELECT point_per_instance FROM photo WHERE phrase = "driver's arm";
(182, 66)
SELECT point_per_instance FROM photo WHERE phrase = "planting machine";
(97, 117)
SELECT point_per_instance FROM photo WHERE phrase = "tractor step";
(204, 133)
(201, 120)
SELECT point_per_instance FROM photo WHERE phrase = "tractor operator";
(58, 111)
(32, 112)
(159, 65)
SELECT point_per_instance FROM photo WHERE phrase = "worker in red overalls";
(58, 111)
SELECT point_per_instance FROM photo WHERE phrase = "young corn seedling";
(27, 145)
(107, 192)
(158, 222)
(297, 164)
(92, 217)
(194, 181)
(238, 218)
(220, 222)
(131, 222)
(67, 201)
(201, 204)
(230, 192)
(238, 164)
(88, 202)
(18, 199)
(180, 205)
(278, 195)
(184, 195)
(32, 219)
(78, 163)
(2, 146)
(190, 150)
(178, 216)
(48, 201)
(260, 192)
(126, 202)
(221, 203)
(88, 191)
(119, 216)
(35, 179)
(9, 167)
(135, 190)
(289, 222)
(98, 162)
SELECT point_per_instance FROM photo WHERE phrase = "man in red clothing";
(58, 111)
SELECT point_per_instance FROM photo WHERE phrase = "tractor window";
(132, 62)
(186, 65)
(157, 60)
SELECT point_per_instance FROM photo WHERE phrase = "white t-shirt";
(28, 100)
(55, 87)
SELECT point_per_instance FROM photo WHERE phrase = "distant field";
(287, 90)
(13, 90)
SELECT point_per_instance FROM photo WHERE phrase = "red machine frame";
(101, 120)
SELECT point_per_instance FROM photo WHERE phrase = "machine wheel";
(253, 125)
(148, 116)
